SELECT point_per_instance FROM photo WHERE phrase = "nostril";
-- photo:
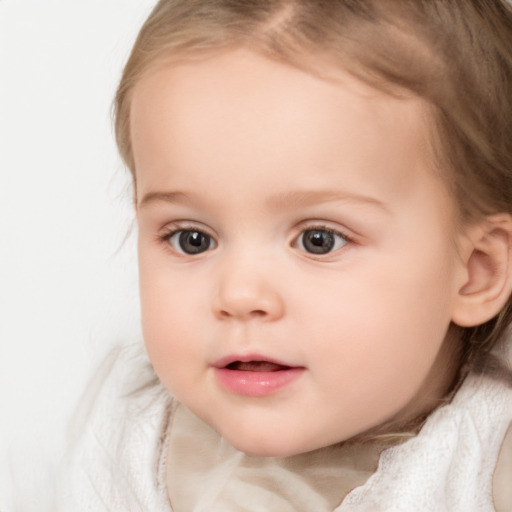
(258, 313)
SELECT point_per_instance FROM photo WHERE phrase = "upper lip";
(246, 358)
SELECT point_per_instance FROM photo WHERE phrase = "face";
(298, 265)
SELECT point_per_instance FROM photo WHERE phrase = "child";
(323, 193)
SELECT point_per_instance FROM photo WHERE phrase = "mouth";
(254, 375)
(252, 363)
(256, 366)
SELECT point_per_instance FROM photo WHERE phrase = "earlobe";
(487, 272)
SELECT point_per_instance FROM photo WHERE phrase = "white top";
(122, 428)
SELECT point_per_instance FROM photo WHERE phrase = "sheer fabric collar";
(205, 473)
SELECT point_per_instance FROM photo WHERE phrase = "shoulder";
(122, 394)
(502, 488)
(449, 464)
(486, 428)
(116, 436)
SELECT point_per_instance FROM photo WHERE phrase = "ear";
(487, 271)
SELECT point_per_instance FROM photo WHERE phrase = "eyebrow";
(300, 198)
(167, 197)
(281, 201)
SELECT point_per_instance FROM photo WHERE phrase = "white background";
(67, 281)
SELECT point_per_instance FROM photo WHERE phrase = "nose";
(247, 291)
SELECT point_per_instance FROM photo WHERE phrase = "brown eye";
(320, 241)
(190, 241)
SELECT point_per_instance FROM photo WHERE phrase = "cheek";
(380, 317)
(172, 344)
(168, 314)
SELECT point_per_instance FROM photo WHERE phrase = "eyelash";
(171, 231)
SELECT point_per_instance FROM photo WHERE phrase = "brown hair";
(455, 54)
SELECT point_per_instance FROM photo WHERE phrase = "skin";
(253, 153)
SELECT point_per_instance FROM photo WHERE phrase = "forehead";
(241, 113)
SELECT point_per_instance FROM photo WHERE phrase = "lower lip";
(256, 383)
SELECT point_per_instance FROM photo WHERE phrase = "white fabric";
(117, 440)
(118, 465)
(449, 465)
